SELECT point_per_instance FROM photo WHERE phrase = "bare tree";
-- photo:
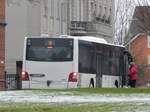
(124, 17)
(123, 11)
(140, 24)
(142, 19)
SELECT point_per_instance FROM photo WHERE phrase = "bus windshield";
(49, 49)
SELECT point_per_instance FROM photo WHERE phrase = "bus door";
(98, 70)
(127, 59)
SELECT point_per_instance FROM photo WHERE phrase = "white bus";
(72, 62)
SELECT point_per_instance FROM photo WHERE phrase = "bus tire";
(91, 82)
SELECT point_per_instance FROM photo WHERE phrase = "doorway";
(98, 70)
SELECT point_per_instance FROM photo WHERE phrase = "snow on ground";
(32, 97)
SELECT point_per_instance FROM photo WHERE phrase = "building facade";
(78, 17)
(23, 19)
(139, 47)
(140, 22)
(54, 17)
(92, 17)
(2, 44)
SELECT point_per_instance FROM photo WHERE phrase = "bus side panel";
(75, 56)
(75, 64)
(109, 81)
(85, 79)
(24, 54)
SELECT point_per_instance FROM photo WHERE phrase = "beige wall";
(22, 19)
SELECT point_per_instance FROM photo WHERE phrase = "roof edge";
(136, 36)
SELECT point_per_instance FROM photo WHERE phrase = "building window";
(58, 10)
(87, 60)
(148, 41)
(100, 10)
(45, 9)
(52, 8)
(148, 59)
(63, 12)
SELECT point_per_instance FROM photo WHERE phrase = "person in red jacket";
(133, 74)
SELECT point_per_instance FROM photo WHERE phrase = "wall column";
(2, 45)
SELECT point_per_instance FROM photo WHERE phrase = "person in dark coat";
(133, 74)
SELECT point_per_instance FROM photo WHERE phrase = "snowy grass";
(80, 91)
(105, 107)
(76, 100)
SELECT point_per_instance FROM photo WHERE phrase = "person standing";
(133, 74)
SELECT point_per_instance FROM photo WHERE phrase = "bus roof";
(85, 38)
(90, 39)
